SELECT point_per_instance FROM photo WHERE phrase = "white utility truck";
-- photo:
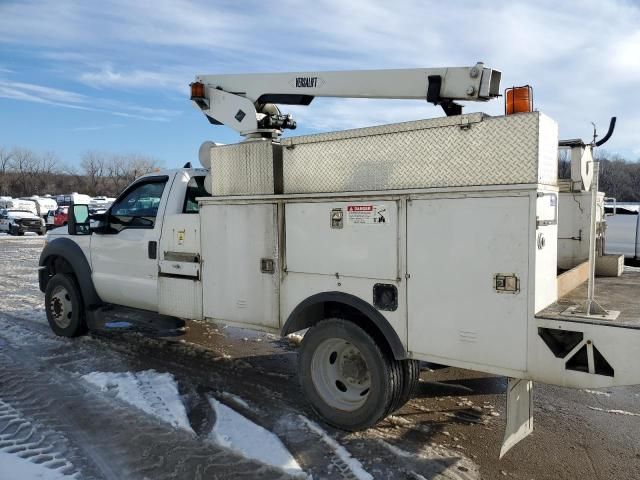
(432, 240)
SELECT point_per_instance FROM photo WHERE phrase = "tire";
(13, 231)
(346, 377)
(410, 379)
(64, 306)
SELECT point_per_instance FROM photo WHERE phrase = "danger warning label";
(367, 215)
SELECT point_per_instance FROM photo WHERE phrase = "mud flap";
(519, 413)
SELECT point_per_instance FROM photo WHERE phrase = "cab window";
(195, 189)
(138, 207)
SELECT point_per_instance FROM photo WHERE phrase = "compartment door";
(240, 270)
(455, 250)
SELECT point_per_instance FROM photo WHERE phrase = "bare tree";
(6, 156)
(94, 165)
(25, 163)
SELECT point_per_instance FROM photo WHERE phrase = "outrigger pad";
(519, 413)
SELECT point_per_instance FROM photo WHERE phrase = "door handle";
(152, 249)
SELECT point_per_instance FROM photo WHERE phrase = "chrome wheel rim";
(60, 307)
(340, 374)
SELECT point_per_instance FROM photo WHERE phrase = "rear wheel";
(64, 306)
(410, 380)
(349, 381)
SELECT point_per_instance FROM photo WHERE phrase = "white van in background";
(623, 230)
(43, 204)
(70, 198)
(101, 202)
(18, 204)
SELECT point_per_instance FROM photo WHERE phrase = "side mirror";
(78, 220)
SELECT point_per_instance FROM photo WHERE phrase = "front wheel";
(64, 306)
(349, 381)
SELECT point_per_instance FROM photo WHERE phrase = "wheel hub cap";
(340, 374)
(60, 307)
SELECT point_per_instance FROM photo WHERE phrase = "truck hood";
(22, 215)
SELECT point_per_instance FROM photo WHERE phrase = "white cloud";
(581, 56)
(34, 93)
(93, 128)
(149, 79)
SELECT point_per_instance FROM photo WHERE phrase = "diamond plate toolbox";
(465, 150)
(248, 168)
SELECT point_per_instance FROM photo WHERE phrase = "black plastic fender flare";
(297, 321)
(70, 251)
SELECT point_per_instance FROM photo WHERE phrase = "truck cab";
(122, 251)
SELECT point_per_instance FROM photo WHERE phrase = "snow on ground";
(597, 392)
(157, 394)
(240, 434)
(152, 392)
(20, 293)
(615, 412)
(439, 460)
(12, 466)
(354, 465)
(237, 400)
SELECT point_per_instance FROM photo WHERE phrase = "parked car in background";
(17, 222)
(60, 217)
(50, 219)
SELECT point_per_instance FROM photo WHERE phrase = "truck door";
(180, 268)
(124, 259)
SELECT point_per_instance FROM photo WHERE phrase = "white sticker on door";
(367, 215)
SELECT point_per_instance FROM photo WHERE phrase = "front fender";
(71, 252)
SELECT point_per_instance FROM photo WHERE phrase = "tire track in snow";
(34, 443)
(133, 446)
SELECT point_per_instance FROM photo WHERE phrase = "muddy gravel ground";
(451, 429)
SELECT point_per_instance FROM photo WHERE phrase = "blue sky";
(113, 75)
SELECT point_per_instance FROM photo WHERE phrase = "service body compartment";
(468, 261)
(358, 239)
(240, 263)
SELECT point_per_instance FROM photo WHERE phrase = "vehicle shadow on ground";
(462, 388)
(269, 383)
(270, 379)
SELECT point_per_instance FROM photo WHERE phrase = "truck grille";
(30, 223)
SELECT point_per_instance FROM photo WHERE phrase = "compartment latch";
(506, 283)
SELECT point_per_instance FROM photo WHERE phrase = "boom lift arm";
(247, 102)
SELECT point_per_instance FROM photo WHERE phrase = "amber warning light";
(518, 100)
(197, 90)
(197, 95)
